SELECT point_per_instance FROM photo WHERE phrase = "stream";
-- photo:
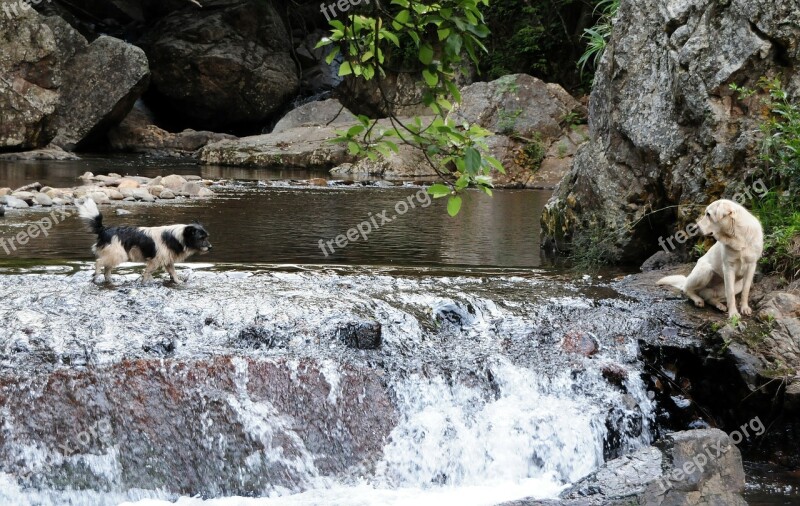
(441, 361)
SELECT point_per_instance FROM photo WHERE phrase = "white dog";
(728, 267)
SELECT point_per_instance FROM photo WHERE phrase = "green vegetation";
(597, 36)
(779, 210)
(439, 33)
(592, 249)
(532, 154)
(543, 38)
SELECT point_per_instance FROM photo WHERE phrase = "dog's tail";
(89, 212)
(678, 282)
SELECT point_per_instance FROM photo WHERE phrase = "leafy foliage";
(779, 210)
(440, 33)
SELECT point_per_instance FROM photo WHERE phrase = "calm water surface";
(252, 222)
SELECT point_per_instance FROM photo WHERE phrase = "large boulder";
(227, 64)
(665, 127)
(534, 124)
(100, 86)
(54, 84)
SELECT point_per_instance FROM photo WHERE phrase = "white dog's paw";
(746, 310)
(734, 315)
(722, 307)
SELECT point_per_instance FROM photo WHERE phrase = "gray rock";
(166, 195)
(43, 200)
(685, 468)
(242, 51)
(173, 182)
(50, 153)
(320, 113)
(119, 74)
(13, 202)
(516, 104)
(190, 189)
(307, 147)
(121, 212)
(142, 194)
(665, 128)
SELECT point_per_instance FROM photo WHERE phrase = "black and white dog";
(155, 246)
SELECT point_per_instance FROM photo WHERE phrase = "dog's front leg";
(750, 272)
(729, 275)
(173, 274)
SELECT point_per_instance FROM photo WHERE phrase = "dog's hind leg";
(107, 273)
(149, 268)
(697, 281)
(173, 274)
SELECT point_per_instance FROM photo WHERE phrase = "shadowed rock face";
(665, 127)
(221, 66)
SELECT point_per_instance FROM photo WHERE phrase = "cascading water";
(243, 386)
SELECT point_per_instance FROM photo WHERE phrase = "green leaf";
(439, 190)
(472, 159)
(345, 69)
(430, 77)
(426, 54)
(454, 205)
(353, 147)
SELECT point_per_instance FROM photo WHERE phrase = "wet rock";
(166, 195)
(361, 335)
(581, 343)
(243, 426)
(614, 374)
(322, 113)
(660, 260)
(242, 51)
(48, 153)
(668, 473)
(163, 347)
(260, 336)
(685, 147)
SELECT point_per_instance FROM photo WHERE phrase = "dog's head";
(719, 219)
(195, 237)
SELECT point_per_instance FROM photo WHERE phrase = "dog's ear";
(722, 209)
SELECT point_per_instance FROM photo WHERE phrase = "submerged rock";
(362, 335)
